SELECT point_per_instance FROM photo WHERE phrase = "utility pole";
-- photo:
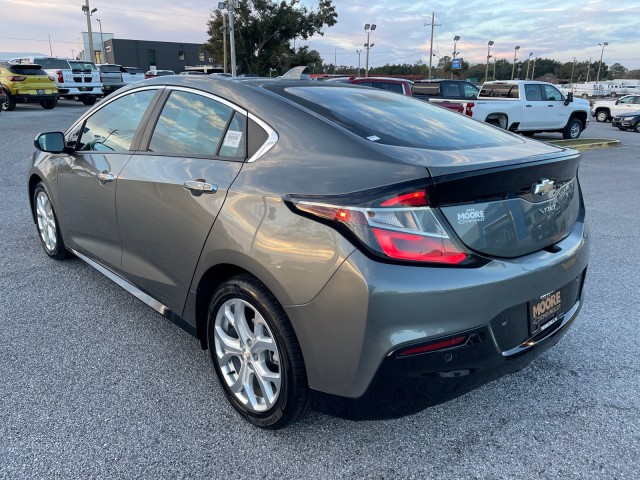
(588, 70)
(87, 11)
(358, 52)
(533, 69)
(573, 68)
(50, 49)
(335, 59)
(433, 25)
(603, 44)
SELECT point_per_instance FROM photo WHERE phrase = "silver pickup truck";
(111, 77)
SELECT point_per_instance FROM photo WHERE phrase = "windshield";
(391, 119)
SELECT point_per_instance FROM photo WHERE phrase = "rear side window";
(533, 93)
(191, 125)
(112, 128)
(391, 119)
(499, 91)
(452, 90)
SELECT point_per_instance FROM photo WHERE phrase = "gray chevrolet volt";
(331, 245)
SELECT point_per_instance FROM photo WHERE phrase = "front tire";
(47, 224)
(636, 127)
(256, 354)
(602, 116)
(572, 130)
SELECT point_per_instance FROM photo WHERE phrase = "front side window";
(191, 125)
(112, 128)
(626, 100)
(470, 91)
(552, 93)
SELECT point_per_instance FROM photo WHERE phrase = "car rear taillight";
(399, 226)
(60, 76)
(469, 110)
(100, 76)
(17, 78)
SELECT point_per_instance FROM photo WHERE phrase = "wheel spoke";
(227, 347)
(240, 382)
(240, 322)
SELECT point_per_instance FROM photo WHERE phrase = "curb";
(586, 144)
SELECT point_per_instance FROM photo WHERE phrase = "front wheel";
(602, 116)
(256, 354)
(572, 130)
(47, 223)
(636, 127)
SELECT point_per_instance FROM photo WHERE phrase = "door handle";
(105, 176)
(550, 106)
(528, 106)
(200, 186)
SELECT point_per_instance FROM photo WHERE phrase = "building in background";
(151, 55)
(83, 45)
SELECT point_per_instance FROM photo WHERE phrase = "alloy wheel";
(46, 222)
(247, 355)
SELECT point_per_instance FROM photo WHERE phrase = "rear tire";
(528, 134)
(573, 129)
(88, 99)
(47, 224)
(602, 116)
(636, 127)
(256, 354)
(10, 103)
(49, 104)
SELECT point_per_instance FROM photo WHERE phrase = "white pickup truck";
(605, 110)
(530, 107)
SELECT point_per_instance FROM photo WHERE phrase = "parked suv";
(447, 89)
(22, 83)
(74, 78)
(398, 85)
(112, 78)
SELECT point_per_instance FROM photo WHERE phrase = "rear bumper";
(35, 98)
(407, 384)
(95, 90)
(351, 331)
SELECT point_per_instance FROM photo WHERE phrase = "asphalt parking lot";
(95, 384)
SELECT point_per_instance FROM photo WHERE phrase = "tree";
(617, 71)
(264, 31)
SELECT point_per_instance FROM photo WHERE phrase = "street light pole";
(455, 43)
(368, 28)
(358, 52)
(526, 77)
(573, 68)
(513, 69)
(603, 44)
(533, 68)
(87, 11)
(225, 32)
(230, 5)
(486, 72)
(102, 55)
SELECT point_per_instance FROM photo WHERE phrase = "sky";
(558, 29)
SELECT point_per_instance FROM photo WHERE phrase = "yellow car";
(22, 83)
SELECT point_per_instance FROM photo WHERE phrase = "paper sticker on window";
(373, 138)
(232, 139)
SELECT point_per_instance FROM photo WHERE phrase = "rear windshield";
(499, 91)
(427, 89)
(110, 68)
(52, 62)
(27, 70)
(391, 119)
(133, 70)
(82, 66)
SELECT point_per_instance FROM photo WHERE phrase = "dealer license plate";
(545, 310)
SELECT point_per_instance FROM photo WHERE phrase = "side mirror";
(50, 142)
(617, 101)
(569, 98)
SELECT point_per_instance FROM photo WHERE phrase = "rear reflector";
(453, 342)
(418, 248)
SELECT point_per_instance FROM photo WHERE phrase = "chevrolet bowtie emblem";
(543, 187)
